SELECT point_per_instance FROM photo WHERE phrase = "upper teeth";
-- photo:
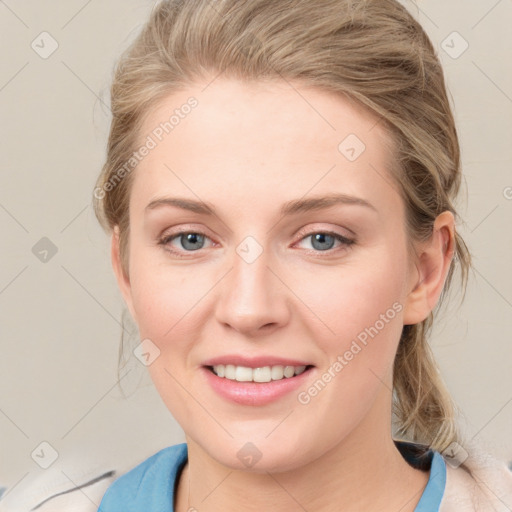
(263, 374)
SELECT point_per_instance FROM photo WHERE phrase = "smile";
(262, 374)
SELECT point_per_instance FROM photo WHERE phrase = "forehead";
(243, 137)
(275, 105)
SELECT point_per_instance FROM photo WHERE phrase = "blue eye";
(189, 240)
(192, 241)
(323, 241)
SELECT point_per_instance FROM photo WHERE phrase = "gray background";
(60, 318)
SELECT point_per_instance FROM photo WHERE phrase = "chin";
(259, 456)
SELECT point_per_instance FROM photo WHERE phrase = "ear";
(123, 280)
(433, 262)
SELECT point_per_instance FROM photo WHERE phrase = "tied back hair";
(372, 52)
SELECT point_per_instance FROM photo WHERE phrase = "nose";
(253, 299)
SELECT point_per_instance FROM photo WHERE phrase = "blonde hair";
(371, 51)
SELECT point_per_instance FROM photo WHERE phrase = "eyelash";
(346, 242)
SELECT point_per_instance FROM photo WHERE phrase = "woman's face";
(270, 275)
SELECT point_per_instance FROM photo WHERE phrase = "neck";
(365, 471)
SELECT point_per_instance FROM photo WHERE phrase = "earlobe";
(123, 280)
(433, 263)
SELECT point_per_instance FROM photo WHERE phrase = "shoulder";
(77, 489)
(74, 482)
(150, 483)
(482, 483)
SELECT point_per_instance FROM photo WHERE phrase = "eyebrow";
(289, 208)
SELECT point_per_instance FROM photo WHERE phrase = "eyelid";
(345, 241)
(183, 228)
(303, 232)
(164, 238)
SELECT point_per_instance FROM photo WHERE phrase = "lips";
(254, 362)
(257, 380)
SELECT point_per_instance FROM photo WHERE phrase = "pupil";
(190, 239)
(321, 237)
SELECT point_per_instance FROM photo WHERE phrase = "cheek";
(355, 298)
(166, 301)
(165, 298)
(362, 309)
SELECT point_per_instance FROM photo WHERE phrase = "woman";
(279, 186)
